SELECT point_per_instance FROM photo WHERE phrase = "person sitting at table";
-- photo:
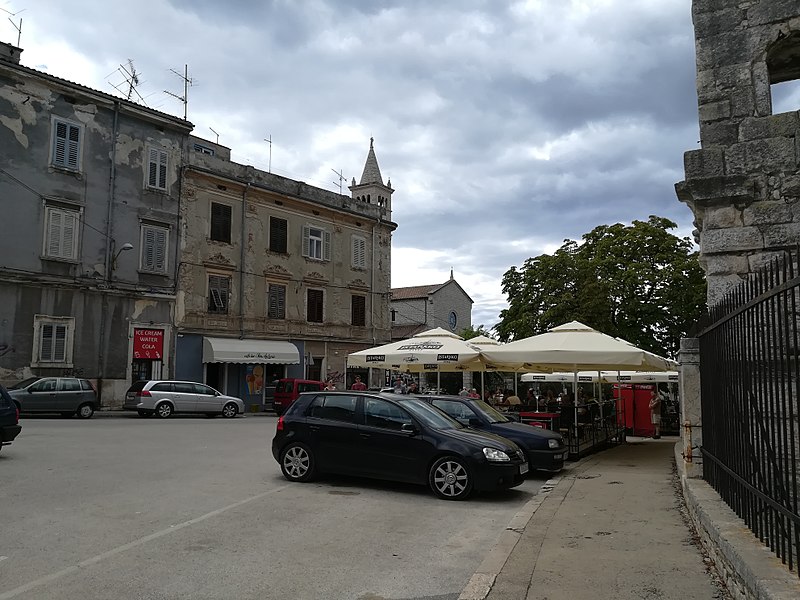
(512, 400)
(498, 397)
(473, 393)
(530, 398)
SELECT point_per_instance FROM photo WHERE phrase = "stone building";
(743, 184)
(89, 190)
(421, 307)
(277, 278)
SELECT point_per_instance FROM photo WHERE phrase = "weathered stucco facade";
(418, 308)
(743, 184)
(289, 262)
(89, 186)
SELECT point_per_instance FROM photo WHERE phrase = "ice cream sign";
(148, 343)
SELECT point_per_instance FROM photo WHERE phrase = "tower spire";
(372, 172)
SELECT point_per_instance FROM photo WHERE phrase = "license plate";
(523, 468)
(558, 456)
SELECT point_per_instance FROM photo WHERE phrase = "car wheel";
(450, 479)
(297, 462)
(230, 410)
(164, 410)
(85, 411)
(145, 413)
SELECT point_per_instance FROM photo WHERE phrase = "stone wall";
(743, 184)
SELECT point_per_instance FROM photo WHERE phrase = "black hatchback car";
(545, 449)
(388, 436)
(9, 418)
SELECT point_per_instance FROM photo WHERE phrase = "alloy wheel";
(229, 410)
(451, 479)
(296, 462)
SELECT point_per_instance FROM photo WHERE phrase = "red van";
(287, 391)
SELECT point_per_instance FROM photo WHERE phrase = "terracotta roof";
(417, 291)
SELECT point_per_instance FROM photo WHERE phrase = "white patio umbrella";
(436, 350)
(573, 347)
(480, 342)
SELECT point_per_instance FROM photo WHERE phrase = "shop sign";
(148, 343)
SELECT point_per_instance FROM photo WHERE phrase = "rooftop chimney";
(10, 53)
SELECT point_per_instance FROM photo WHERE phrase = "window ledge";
(66, 171)
(69, 261)
(52, 365)
(156, 273)
(156, 190)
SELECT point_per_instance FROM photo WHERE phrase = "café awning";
(228, 350)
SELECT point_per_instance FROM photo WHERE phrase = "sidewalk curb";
(482, 581)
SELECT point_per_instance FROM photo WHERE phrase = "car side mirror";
(408, 428)
(475, 422)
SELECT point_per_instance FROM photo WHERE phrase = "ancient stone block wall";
(743, 184)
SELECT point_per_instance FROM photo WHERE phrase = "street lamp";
(125, 246)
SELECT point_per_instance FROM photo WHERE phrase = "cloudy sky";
(505, 127)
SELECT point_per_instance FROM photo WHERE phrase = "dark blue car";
(545, 449)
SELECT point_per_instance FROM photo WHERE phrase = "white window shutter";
(60, 345)
(162, 170)
(60, 144)
(152, 165)
(306, 241)
(68, 238)
(326, 251)
(46, 343)
(148, 249)
(73, 146)
(160, 250)
(54, 227)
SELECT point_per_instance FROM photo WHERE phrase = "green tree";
(472, 332)
(638, 282)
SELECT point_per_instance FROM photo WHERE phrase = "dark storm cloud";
(506, 127)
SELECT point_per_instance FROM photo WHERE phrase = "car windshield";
(432, 417)
(490, 412)
(24, 383)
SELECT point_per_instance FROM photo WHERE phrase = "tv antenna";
(269, 141)
(132, 79)
(215, 133)
(17, 27)
(186, 83)
(341, 179)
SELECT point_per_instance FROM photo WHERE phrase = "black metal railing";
(749, 378)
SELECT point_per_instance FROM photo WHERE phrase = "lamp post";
(123, 248)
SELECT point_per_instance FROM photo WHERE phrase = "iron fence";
(749, 374)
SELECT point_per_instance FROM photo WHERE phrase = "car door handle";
(365, 435)
(314, 427)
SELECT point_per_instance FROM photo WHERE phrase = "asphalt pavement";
(613, 526)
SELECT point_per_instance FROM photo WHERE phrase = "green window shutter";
(306, 236)
(326, 245)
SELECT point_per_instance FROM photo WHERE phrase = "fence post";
(691, 414)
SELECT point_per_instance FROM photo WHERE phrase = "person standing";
(655, 413)
(358, 384)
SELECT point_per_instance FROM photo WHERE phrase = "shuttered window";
(61, 233)
(154, 249)
(316, 243)
(316, 299)
(52, 343)
(359, 252)
(358, 310)
(157, 169)
(221, 222)
(276, 301)
(66, 145)
(219, 289)
(278, 239)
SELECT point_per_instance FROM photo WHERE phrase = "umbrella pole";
(575, 396)
(483, 386)
(438, 381)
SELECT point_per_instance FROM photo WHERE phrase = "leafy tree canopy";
(472, 332)
(638, 282)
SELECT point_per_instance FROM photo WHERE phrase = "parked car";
(9, 418)
(288, 389)
(65, 395)
(545, 449)
(392, 436)
(164, 398)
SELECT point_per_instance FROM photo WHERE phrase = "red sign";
(148, 343)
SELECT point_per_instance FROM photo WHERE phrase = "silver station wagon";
(164, 398)
(66, 395)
